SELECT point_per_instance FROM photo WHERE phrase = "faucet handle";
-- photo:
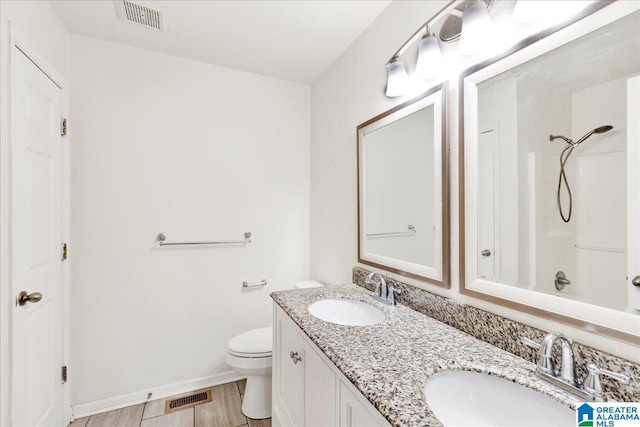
(391, 291)
(530, 343)
(594, 370)
(592, 383)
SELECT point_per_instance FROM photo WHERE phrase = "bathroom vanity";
(331, 374)
(308, 389)
(516, 245)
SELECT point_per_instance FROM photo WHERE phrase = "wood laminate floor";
(223, 411)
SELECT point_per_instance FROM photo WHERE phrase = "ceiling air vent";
(141, 14)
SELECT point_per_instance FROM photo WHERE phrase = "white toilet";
(250, 354)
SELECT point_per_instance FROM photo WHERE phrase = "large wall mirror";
(402, 190)
(551, 182)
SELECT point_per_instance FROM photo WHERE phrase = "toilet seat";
(252, 344)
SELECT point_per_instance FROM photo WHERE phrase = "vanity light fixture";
(430, 62)
(476, 28)
(397, 78)
(467, 22)
(398, 82)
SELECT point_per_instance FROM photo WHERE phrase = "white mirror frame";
(603, 321)
(439, 273)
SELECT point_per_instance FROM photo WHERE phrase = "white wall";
(40, 29)
(198, 152)
(350, 92)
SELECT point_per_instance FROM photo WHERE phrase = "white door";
(633, 192)
(36, 219)
(486, 204)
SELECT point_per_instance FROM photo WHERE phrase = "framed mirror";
(402, 190)
(549, 185)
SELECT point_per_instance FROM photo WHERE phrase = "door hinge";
(64, 374)
(63, 127)
(64, 251)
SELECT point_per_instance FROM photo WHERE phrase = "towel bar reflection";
(246, 284)
(161, 241)
(411, 228)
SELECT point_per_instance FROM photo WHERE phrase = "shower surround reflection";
(522, 240)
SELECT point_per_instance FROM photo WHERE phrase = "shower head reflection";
(564, 157)
(598, 130)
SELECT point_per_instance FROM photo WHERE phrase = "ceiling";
(290, 40)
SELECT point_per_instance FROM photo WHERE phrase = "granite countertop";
(390, 362)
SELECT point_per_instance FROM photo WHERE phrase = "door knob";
(635, 281)
(486, 253)
(561, 280)
(24, 298)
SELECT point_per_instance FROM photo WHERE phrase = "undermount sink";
(462, 398)
(347, 312)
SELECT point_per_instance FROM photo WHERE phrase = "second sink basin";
(347, 312)
(462, 398)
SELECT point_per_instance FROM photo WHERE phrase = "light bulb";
(430, 63)
(397, 79)
(476, 29)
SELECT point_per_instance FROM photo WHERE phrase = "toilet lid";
(255, 342)
(307, 284)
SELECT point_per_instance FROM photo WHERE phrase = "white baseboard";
(123, 400)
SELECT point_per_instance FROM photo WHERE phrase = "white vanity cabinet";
(304, 386)
(353, 413)
(308, 390)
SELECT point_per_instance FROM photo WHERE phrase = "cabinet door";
(319, 391)
(311, 392)
(290, 375)
(352, 412)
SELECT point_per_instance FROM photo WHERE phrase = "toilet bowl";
(250, 354)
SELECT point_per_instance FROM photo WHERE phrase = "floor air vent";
(183, 402)
(138, 13)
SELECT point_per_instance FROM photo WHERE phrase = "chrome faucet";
(381, 286)
(567, 371)
(590, 389)
(383, 293)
